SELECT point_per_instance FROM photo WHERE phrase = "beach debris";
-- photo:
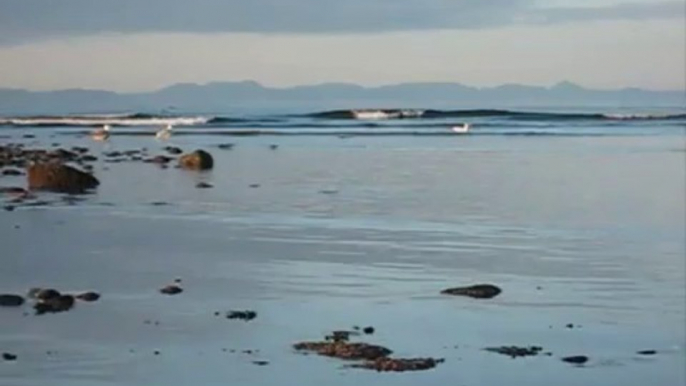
(478, 291)
(9, 357)
(646, 352)
(344, 350)
(197, 160)
(246, 315)
(11, 300)
(89, 296)
(576, 359)
(61, 303)
(516, 351)
(60, 178)
(384, 364)
(171, 289)
(203, 185)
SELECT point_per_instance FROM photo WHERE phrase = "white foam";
(386, 114)
(106, 120)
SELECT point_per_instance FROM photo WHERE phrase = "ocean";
(327, 220)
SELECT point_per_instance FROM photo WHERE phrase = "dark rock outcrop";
(11, 300)
(478, 291)
(60, 178)
(61, 303)
(9, 357)
(576, 359)
(197, 160)
(171, 289)
(89, 296)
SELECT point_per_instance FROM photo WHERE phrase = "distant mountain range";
(250, 95)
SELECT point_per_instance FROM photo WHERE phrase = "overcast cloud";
(23, 21)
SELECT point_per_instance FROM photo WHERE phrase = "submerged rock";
(478, 291)
(515, 351)
(226, 146)
(399, 364)
(60, 178)
(89, 296)
(646, 352)
(11, 300)
(576, 359)
(344, 350)
(197, 160)
(242, 315)
(171, 289)
(9, 357)
(203, 185)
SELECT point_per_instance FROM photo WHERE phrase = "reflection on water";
(361, 231)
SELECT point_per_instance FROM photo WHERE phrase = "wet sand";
(325, 234)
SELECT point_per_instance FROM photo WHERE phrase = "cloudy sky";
(133, 45)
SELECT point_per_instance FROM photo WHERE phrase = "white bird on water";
(165, 133)
(101, 134)
(461, 129)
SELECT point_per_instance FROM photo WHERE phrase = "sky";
(136, 45)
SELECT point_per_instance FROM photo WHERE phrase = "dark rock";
(226, 146)
(570, 325)
(260, 363)
(254, 185)
(203, 185)
(8, 208)
(88, 158)
(344, 350)
(273, 147)
(399, 365)
(156, 352)
(28, 136)
(171, 289)
(576, 359)
(89, 296)
(9, 357)
(60, 304)
(10, 300)
(63, 155)
(646, 352)
(242, 315)
(79, 150)
(479, 291)
(159, 159)
(12, 172)
(198, 160)
(13, 190)
(44, 294)
(113, 154)
(514, 351)
(173, 150)
(368, 330)
(340, 336)
(60, 178)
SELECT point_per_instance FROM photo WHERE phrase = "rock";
(60, 178)
(345, 350)
(9, 357)
(12, 172)
(254, 186)
(11, 300)
(203, 185)
(478, 291)
(399, 365)
(171, 289)
(89, 296)
(88, 158)
(44, 294)
(646, 352)
(159, 159)
(242, 315)
(576, 359)
(226, 146)
(59, 304)
(260, 363)
(368, 330)
(514, 351)
(9, 208)
(340, 336)
(198, 160)
(173, 150)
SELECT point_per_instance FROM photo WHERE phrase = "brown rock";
(197, 160)
(345, 350)
(398, 365)
(60, 178)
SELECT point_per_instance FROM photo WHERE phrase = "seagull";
(164, 133)
(461, 129)
(101, 134)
